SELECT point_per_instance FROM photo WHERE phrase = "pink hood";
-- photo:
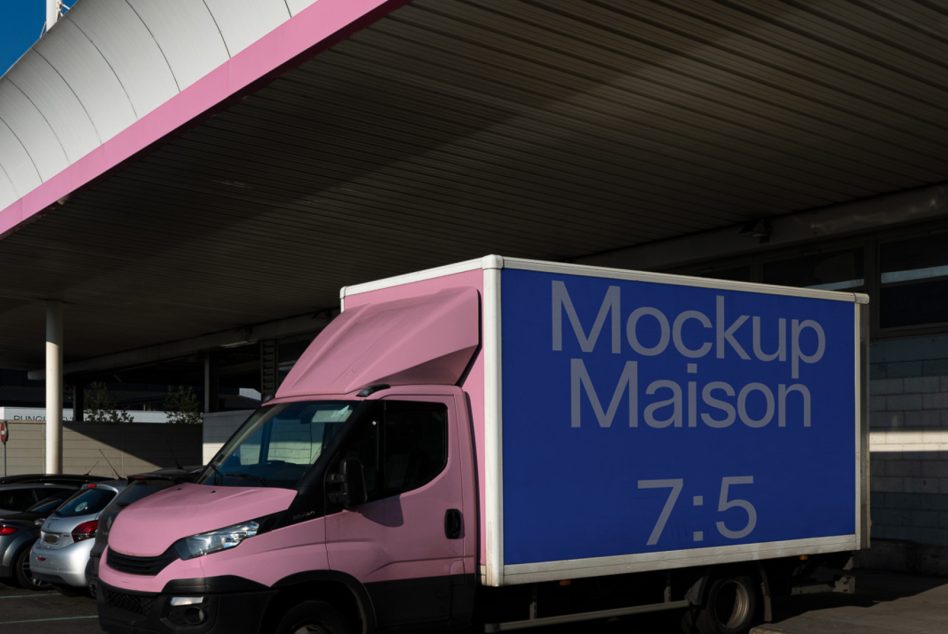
(150, 526)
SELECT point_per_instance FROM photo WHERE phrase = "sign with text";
(642, 417)
(4, 432)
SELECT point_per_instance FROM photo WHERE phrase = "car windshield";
(86, 502)
(278, 444)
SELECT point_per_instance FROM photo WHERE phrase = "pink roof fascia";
(317, 26)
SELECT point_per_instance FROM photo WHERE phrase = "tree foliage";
(182, 405)
(101, 407)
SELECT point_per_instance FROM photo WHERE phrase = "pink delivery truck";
(502, 444)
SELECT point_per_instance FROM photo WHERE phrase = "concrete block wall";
(91, 447)
(909, 439)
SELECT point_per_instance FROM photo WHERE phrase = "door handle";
(453, 527)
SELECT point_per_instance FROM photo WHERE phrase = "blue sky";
(21, 23)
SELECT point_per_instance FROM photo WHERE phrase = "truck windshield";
(278, 444)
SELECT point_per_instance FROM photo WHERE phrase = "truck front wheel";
(312, 617)
(730, 606)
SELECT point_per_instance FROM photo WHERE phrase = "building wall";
(91, 447)
(909, 426)
(38, 414)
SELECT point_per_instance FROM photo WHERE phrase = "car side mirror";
(348, 484)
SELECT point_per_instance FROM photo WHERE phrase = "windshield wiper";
(243, 476)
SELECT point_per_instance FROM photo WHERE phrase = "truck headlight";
(216, 540)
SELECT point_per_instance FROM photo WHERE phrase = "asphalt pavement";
(45, 612)
(884, 603)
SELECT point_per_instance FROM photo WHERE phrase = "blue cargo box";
(641, 421)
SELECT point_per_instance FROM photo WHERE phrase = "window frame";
(904, 235)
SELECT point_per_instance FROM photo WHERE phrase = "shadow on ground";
(884, 602)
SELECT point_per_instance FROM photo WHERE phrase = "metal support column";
(78, 401)
(211, 384)
(269, 368)
(54, 387)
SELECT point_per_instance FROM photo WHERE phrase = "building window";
(914, 281)
(831, 271)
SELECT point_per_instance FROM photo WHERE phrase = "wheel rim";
(732, 604)
(28, 575)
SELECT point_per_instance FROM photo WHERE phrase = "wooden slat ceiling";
(453, 128)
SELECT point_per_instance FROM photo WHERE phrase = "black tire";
(313, 617)
(22, 575)
(730, 606)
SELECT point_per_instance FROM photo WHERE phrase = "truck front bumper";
(216, 605)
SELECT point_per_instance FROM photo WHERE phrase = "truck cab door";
(411, 542)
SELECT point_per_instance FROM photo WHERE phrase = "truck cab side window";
(415, 445)
(402, 447)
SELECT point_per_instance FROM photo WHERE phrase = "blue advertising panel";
(641, 417)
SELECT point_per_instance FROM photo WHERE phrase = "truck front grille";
(149, 566)
(139, 604)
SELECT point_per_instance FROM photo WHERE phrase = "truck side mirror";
(349, 489)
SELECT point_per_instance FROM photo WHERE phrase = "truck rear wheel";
(312, 617)
(730, 606)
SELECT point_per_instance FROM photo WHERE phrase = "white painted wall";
(17, 414)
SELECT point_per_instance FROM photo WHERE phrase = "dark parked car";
(17, 534)
(139, 486)
(54, 478)
(16, 497)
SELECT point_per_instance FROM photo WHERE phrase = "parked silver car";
(61, 553)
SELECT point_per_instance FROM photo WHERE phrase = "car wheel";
(312, 617)
(730, 607)
(24, 577)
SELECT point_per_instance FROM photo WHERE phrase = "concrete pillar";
(54, 387)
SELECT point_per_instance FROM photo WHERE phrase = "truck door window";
(402, 447)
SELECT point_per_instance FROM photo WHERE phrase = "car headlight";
(216, 540)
